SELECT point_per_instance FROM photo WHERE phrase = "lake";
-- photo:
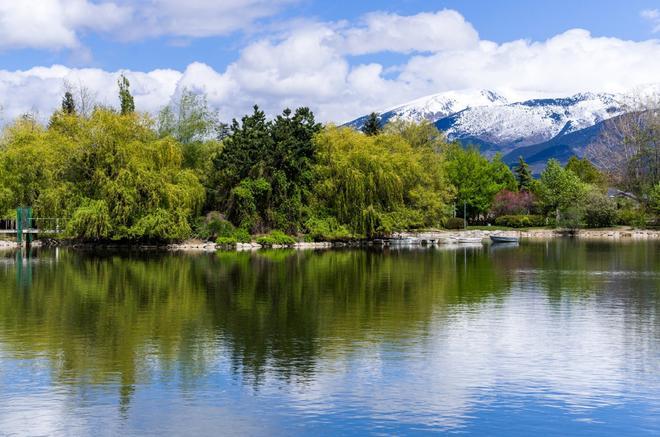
(549, 338)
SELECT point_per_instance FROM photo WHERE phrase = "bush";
(242, 236)
(571, 218)
(600, 211)
(326, 229)
(632, 216)
(520, 221)
(455, 223)
(237, 236)
(276, 238)
(512, 203)
(226, 241)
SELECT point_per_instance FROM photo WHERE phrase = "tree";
(586, 171)
(111, 175)
(127, 104)
(373, 185)
(372, 125)
(68, 104)
(560, 189)
(264, 172)
(523, 175)
(191, 121)
(477, 180)
(512, 203)
(629, 147)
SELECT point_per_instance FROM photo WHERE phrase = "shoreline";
(415, 238)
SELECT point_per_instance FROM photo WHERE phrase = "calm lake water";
(557, 338)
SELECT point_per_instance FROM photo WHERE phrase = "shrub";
(571, 218)
(455, 223)
(242, 236)
(512, 203)
(520, 221)
(632, 216)
(326, 229)
(600, 211)
(213, 225)
(276, 238)
(226, 241)
(236, 236)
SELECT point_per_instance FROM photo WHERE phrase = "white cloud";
(197, 18)
(54, 24)
(58, 24)
(432, 32)
(653, 15)
(313, 64)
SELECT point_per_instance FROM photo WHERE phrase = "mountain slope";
(510, 126)
(537, 129)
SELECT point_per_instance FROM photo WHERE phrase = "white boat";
(469, 240)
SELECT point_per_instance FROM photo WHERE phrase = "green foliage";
(523, 175)
(560, 189)
(195, 125)
(276, 238)
(378, 184)
(586, 171)
(109, 173)
(477, 180)
(455, 223)
(654, 199)
(599, 210)
(90, 221)
(372, 125)
(326, 229)
(572, 218)
(520, 221)
(126, 101)
(265, 170)
(632, 215)
(68, 104)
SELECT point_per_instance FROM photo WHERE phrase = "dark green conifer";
(372, 126)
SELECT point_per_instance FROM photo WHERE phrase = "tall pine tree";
(372, 125)
(68, 104)
(125, 97)
(523, 175)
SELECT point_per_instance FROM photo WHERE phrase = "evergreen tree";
(68, 104)
(372, 125)
(523, 175)
(125, 98)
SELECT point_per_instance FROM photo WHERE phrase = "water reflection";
(396, 340)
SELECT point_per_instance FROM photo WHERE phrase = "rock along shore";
(408, 238)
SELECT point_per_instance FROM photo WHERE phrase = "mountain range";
(537, 129)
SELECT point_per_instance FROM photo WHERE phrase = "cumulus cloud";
(58, 24)
(54, 24)
(653, 15)
(314, 64)
(431, 32)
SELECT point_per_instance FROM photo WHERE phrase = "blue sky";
(340, 57)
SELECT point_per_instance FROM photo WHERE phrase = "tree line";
(121, 175)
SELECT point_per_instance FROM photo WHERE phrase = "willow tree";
(378, 184)
(110, 175)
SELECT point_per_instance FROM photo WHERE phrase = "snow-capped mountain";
(502, 128)
(495, 124)
(437, 106)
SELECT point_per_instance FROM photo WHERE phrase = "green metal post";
(19, 225)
